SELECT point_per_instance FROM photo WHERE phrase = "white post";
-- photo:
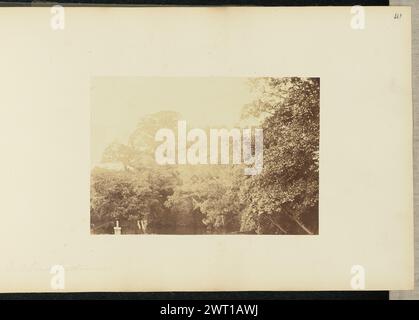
(117, 229)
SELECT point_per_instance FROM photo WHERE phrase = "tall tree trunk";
(140, 227)
(302, 226)
(277, 225)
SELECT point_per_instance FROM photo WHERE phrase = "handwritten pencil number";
(397, 16)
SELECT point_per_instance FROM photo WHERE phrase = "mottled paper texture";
(68, 83)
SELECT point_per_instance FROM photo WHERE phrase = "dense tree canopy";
(283, 199)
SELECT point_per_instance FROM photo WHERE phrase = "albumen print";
(205, 156)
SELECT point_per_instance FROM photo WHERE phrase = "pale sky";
(117, 103)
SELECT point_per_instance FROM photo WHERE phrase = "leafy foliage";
(283, 199)
(286, 193)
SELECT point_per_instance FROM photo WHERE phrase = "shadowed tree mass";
(219, 199)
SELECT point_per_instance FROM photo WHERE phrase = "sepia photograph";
(204, 150)
(205, 156)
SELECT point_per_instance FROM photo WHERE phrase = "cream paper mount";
(111, 180)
